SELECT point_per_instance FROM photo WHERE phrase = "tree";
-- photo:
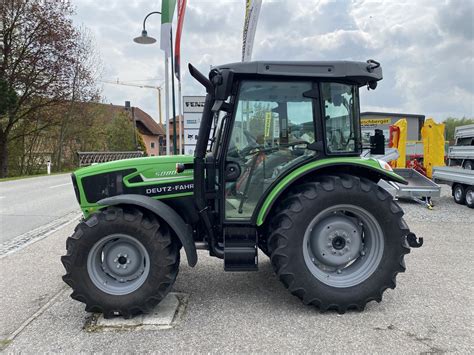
(451, 123)
(120, 134)
(40, 59)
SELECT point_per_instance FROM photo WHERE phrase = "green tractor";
(277, 167)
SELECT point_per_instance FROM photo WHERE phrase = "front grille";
(76, 188)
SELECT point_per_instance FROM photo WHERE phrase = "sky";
(426, 47)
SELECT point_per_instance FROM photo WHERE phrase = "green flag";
(167, 12)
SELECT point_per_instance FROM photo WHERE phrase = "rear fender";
(183, 231)
(368, 168)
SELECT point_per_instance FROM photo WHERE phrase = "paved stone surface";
(430, 311)
(29, 278)
(165, 316)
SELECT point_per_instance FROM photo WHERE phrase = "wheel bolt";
(339, 271)
(118, 266)
(115, 260)
(128, 261)
(362, 253)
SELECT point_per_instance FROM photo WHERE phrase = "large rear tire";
(121, 262)
(339, 242)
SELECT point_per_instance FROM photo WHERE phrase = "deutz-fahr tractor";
(276, 167)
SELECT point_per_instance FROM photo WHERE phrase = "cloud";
(426, 47)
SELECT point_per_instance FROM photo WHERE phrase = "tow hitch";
(413, 241)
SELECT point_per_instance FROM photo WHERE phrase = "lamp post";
(145, 39)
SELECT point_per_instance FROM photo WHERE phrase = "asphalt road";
(430, 311)
(27, 204)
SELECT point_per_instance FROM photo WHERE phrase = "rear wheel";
(339, 243)
(470, 197)
(121, 262)
(459, 194)
(468, 165)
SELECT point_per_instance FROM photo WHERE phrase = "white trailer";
(460, 180)
(462, 153)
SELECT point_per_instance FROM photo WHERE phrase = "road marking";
(2, 197)
(54, 186)
(25, 239)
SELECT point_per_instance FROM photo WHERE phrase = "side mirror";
(222, 81)
(377, 143)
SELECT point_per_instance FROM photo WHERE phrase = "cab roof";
(359, 72)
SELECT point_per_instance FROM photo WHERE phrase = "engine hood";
(148, 167)
(155, 177)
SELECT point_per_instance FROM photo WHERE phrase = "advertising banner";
(167, 11)
(252, 10)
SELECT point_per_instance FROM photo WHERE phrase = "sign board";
(193, 106)
(374, 121)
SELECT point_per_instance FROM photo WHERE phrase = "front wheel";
(339, 242)
(121, 262)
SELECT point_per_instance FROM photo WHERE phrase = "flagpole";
(177, 70)
(167, 106)
(172, 93)
(180, 114)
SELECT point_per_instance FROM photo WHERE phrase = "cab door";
(272, 125)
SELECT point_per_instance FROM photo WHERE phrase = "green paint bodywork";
(161, 167)
(294, 175)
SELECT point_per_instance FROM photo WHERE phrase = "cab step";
(240, 249)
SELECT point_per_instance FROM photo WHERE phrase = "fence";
(89, 158)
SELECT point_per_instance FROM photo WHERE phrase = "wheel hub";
(469, 197)
(336, 240)
(339, 242)
(458, 193)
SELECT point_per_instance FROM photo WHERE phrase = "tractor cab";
(263, 120)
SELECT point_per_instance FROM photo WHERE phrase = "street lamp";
(145, 39)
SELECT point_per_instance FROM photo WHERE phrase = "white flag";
(252, 10)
